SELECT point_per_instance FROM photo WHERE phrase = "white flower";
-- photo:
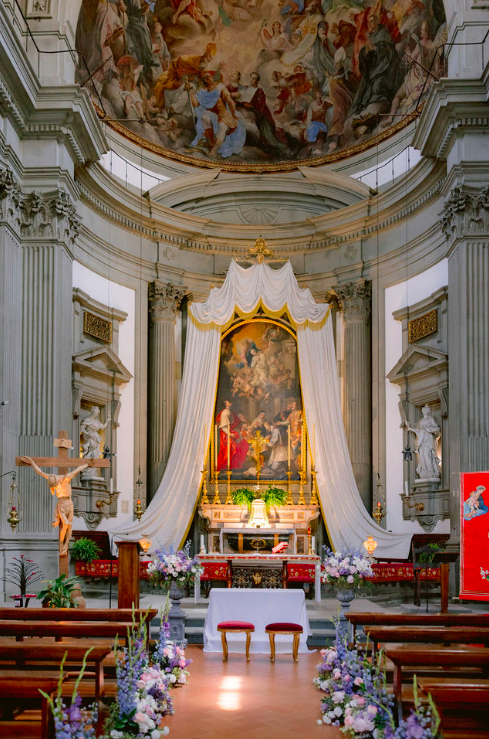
(173, 678)
(338, 696)
(338, 711)
(326, 719)
(155, 734)
(165, 731)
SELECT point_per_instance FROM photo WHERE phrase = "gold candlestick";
(309, 540)
(204, 498)
(229, 500)
(314, 494)
(302, 500)
(217, 500)
(289, 500)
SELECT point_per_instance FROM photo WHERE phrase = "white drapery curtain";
(168, 516)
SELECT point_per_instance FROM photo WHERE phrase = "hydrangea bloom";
(169, 655)
(173, 566)
(347, 570)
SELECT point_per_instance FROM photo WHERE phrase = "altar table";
(260, 607)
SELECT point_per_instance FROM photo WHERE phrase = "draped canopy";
(169, 514)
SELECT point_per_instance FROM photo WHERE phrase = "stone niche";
(422, 376)
(98, 376)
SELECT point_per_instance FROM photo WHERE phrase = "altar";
(267, 571)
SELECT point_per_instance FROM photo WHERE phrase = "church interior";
(244, 369)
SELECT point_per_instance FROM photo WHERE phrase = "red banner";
(474, 536)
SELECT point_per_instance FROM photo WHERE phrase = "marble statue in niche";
(427, 433)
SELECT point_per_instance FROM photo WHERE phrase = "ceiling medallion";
(256, 85)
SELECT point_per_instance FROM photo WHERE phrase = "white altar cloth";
(260, 607)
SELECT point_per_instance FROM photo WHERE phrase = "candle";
(229, 447)
(202, 546)
(378, 504)
(313, 545)
(138, 502)
(205, 439)
(406, 489)
(215, 447)
(314, 443)
(288, 448)
(111, 488)
(309, 531)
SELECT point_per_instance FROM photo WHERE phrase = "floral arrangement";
(72, 722)
(169, 656)
(142, 693)
(356, 694)
(23, 573)
(356, 697)
(170, 566)
(345, 570)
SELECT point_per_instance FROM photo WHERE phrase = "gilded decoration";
(258, 399)
(97, 327)
(259, 85)
(423, 326)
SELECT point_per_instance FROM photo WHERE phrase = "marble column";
(37, 232)
(354, 300)
(164, 300)
(465, 223)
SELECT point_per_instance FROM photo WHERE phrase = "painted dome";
(259, 85)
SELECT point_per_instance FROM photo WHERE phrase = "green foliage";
(84, 550)
(271, 496)
(59, 592)
(243, 496)
(426, 554)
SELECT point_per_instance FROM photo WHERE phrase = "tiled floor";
(254, 700)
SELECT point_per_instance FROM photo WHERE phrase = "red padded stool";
(235, 627)
(284, 628)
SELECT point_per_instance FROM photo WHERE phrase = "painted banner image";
(474, 536)
(258, 391)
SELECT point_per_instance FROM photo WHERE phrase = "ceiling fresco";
(257, 85)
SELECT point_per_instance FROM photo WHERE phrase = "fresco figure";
(368, 58)
(229, 425)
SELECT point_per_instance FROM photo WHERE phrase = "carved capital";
(355, 299)
(466, 213)
(164, 300)
(10, 196)
(37, 215)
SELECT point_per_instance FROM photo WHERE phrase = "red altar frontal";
(262, 570)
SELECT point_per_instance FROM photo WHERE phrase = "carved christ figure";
(63, 514)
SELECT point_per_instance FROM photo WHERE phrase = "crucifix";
(60, 485)
(259, 444)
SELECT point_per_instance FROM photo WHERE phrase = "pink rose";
(349, 720)
(361, 701)
(350, 579)
(358, 680)
(372, 710)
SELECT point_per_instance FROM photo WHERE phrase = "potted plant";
(271, 496)
(22, 573)
(243, 496)
(83, 552)
(60, 593)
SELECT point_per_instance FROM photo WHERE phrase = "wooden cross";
(63, 463)
(259, 444)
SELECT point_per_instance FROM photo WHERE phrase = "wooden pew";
(11, 688)
(428, 635)
(74, 629)
(418, 619)
(24, 654)
(429, 656)
(76, 614)
(463, 705)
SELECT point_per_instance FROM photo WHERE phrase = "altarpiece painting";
(259, 391)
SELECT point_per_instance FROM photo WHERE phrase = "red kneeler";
(284, 628)
(235, 627)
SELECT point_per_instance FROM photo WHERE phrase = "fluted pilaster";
(355, 301)
(466, 225)
(164, 300)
